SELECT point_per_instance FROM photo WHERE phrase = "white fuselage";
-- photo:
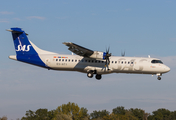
(138, 65)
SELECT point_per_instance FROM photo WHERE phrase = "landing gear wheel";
(98, 77)
(159, 78)
(90, 74)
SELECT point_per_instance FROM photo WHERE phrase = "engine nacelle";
(98, 55)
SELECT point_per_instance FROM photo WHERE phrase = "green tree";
(159, 116)
(63, 117)
(73, 110)
(40, 114)
(128, 116)
(99, 114)
(172, 115)
(162, 114)
(119, 110)
(29, 115)
(139, 113)
(123, 114)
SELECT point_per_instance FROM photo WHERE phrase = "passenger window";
(85, 60)
(56, 59)
(59, 59)
(115, 62)
(75, 60)
(69, 60)
(131, 62)
(125, 62)
(92, 61)
(89, 60)
(128, 62)
(72, 60)
(62, 59)
(112, 61)
(122, 62)
(65, 60)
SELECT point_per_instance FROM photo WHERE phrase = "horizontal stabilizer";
(16, 31)
(13, 57)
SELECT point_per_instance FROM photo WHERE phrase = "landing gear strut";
(159, 76)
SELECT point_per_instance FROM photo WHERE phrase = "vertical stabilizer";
(26, 51)
(21, 42)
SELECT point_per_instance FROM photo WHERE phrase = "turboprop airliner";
(86, 61)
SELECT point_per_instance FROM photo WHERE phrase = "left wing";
(79, 50)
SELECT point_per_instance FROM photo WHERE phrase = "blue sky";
(139, 27)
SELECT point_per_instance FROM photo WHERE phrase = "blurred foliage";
(40, 114)
(3, 118)
(72, 111)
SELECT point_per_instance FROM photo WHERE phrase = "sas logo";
(23, 48)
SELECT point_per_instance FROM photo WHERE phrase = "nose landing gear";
(159, 76)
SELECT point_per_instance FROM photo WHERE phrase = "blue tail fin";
(25, 50)
(21, 42)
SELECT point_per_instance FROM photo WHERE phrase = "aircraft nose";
(167, 69)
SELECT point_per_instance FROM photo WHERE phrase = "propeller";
(107, 57)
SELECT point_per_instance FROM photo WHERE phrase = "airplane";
(85, 61)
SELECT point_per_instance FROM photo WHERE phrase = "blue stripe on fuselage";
(31, 59)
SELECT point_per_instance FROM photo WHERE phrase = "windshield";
(156, 61)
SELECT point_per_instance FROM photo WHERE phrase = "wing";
(79, 50)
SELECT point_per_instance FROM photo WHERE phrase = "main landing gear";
(98, 76)
(91, 73)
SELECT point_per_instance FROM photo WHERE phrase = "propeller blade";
(107, 56)
(108, 50)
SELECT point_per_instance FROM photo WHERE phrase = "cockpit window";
(156, 61)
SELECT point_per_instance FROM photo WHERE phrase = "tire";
(90, 74)
(98, 77)
(159, 78)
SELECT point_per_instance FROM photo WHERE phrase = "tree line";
(72, 111)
